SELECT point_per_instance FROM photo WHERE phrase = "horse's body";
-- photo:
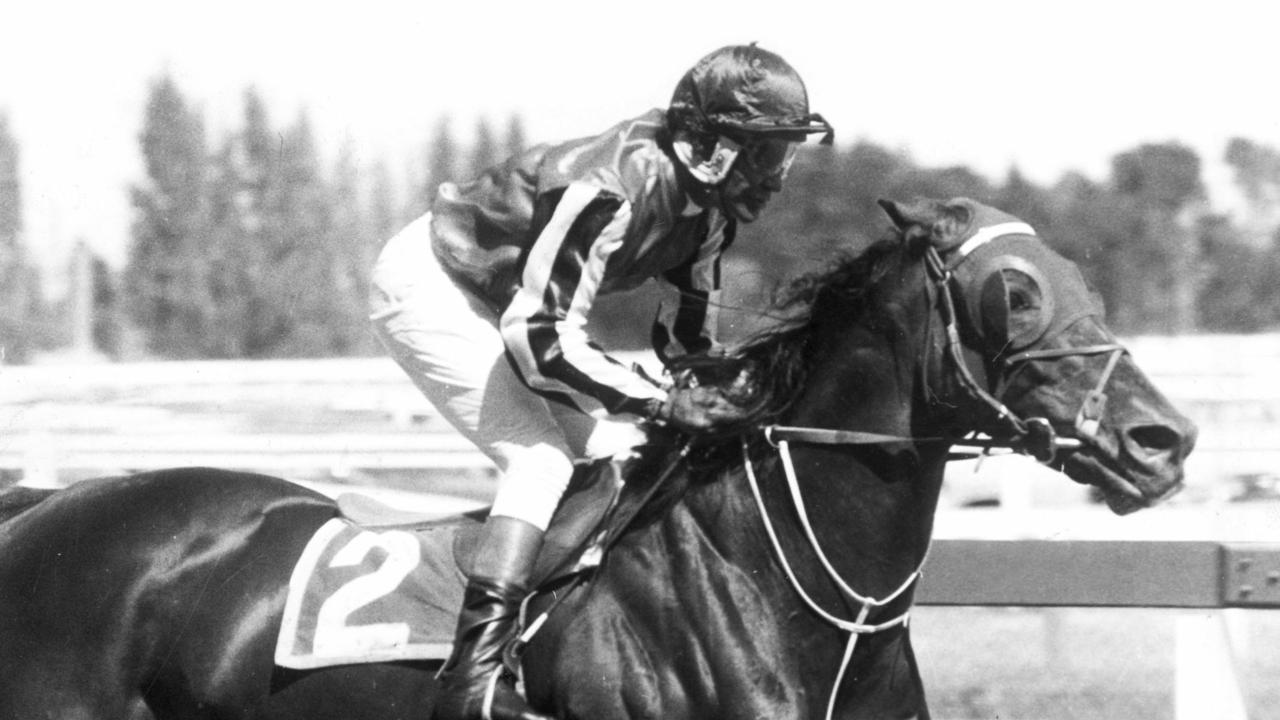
(159, 595)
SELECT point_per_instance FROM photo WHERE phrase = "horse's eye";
(1015, 308)
(1019, 301)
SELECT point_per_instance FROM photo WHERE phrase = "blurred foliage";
(24, 322)
(250, 245)
(254, 251)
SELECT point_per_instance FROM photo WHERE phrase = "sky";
(1046, 87)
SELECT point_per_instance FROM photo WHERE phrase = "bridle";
(1034, 436)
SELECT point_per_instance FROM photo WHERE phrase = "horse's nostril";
(1155, 437)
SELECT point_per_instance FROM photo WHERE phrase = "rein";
(1034, 436)
(858, 626)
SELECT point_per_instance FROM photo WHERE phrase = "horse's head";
(1029, 344)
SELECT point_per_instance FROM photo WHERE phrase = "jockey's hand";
(698, 409)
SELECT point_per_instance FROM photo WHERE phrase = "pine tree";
(258, 162)
(443, 165)
(19, 284)
(165, 276)
(299, 278)
(382, 218)
(352, 244)
(231, 262)
(10, 194)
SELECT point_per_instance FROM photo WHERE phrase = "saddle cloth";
(362, 593)
(371, 595)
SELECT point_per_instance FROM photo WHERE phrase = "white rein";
(856, 627)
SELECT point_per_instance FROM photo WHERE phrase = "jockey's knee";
(532, 484)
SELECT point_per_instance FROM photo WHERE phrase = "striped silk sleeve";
(692, 326)
(544, 327)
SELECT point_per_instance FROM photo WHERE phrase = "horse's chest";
(625, 656)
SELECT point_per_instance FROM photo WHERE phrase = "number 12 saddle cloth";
(366, 592)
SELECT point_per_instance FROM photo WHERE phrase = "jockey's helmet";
(734, 97)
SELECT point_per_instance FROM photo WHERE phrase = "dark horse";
(769, 576)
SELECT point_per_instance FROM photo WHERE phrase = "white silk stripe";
(571, 335)
(542, 256)
(572, 330)
(991, 232)
(535, 277)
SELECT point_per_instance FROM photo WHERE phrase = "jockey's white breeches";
(446, 338)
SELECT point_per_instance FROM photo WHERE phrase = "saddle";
(592, 492)
(377, 584)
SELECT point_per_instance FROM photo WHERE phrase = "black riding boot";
(474, 684)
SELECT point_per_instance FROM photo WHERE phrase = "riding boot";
(474, 682)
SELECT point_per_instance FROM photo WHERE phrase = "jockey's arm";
(544, 327)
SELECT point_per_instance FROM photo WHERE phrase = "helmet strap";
(712, 170)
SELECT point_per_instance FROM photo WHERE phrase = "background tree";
(1256, 170)
(352, 244)
(165, 281)
(263, 249)
(443, 163)
(1239, 292)
(107, 327)
(381, 216)
(299, 312)
(1023, 198)
(1162, 184)
(21, 332)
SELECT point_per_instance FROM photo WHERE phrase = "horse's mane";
(778, 359)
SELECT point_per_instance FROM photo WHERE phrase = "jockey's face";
(757, 174)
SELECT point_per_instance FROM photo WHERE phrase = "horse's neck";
(872, 505)
(865, 513)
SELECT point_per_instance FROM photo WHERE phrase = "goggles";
(763, 158)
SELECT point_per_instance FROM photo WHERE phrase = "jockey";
(484, 302)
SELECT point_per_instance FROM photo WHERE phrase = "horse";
(765, 572)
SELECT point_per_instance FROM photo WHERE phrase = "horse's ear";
(896, 212)
(914, 220)
(952, 224)
(920, 212)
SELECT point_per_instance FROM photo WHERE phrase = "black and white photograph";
(589, 361)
